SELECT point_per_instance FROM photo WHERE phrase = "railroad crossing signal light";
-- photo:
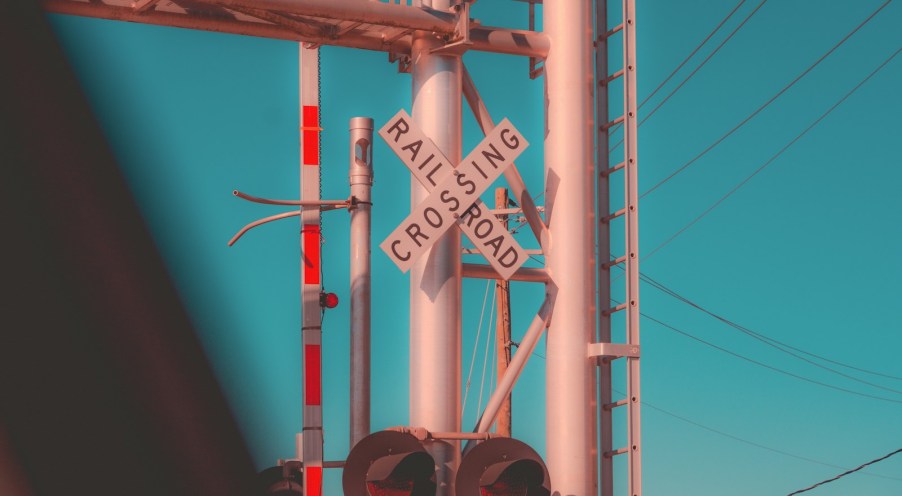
(502, 467)
(280, 481)
(389, 463)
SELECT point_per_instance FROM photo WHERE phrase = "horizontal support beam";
(482, 38)
(219, 25)
(363, 11)
(526, 274)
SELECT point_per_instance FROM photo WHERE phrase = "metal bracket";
(613, 350)
(461, 38)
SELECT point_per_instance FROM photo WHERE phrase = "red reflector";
(310, 134)
(328, 300)
(312, 375)
(390, 487)
(314, 483)
(310, 235)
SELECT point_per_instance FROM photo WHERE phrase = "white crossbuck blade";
(454, 197)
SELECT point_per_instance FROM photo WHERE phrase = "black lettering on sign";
(491, 157)
(438, 165)
(397, 127)
(414, 232)
(474, 212)
(394, 249)
(486, 226)
(414, 149)
(512, 142)
(445, 197)
(480, 170)
(509, 258)
(462, 182)
(495, 243)
(436, 220)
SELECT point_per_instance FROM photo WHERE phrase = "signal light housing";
(280, 481)
(502, 467)
(389, 463)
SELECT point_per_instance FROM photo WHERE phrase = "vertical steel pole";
(570, 204)
(503, 330)
(360, 175)
(603, 188)
(311, 330)
(631, 193)
(435, 280)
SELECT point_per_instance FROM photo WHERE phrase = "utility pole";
(503, 328)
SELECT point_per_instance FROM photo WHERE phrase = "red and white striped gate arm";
(311, 285)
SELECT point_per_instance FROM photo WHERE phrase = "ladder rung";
(605, 127)
(606, 81)
(613, 169)
(614, 30)
(611, 406)
(612, 454)
(610, 217)
(611, 263)
(615, 309)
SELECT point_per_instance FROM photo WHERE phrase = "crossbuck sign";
(454, 194)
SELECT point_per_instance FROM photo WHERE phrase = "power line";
(770, 160)
(774, 343)
(769, 367)
(685, 61)
(766, 104)
(884, 457)
(646, 404)
(705, 61)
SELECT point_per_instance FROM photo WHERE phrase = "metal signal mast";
(428, 39)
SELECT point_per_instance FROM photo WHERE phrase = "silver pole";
(570, 201)
(360, 176)
(435, 308)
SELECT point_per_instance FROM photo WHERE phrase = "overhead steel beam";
(482, 38)
(364, 11)
(220, 25)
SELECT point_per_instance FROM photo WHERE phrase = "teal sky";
(806, 252)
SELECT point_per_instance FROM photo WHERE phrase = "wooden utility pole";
(503, 329)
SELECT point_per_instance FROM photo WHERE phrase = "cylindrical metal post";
(360, 175)
(570, 202)
(435, 383)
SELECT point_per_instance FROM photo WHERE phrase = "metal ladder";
(604, 350)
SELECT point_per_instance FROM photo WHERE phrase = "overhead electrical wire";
(856, 469)
(485, 298)
(772, 159)
(683, 63)
(646, 404)
(764, 105)
(769, 367)
(776, 344)
(702, 64)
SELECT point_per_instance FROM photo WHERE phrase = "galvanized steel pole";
(570, 258)
(360, 176)
(435, 280)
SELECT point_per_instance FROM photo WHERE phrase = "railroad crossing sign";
(454, 194)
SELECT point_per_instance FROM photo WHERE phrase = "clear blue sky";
(806, 252)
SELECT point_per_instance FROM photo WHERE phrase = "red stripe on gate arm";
(310, 134)
(313, 394)
(311, 240)
(314, 482)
